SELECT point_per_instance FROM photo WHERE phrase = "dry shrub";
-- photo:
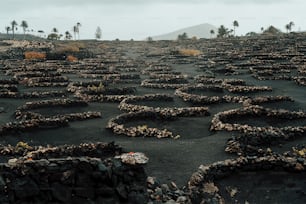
(70, 47)
(71, 58)
(102, 46)
(67, 48)
(190, 52)
(34, 55)
(77, 44)
(194, 38)
(98, 88)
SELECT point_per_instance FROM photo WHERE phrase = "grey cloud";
(40, 3)
(131, 18)
(12, 6)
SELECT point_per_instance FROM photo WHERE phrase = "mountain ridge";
(199, 31)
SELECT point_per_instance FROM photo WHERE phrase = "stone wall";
(43, 176)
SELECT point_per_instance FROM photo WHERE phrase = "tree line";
(222, 31)
(225, 32)
(54, 35)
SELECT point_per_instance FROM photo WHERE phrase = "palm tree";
(53, 35)
(291, 24)
(149, 39)
(54, 30)
(262, 29)
(7, 28)
(184, 36)
(222, 31)
(41, 32)
(287, 27)
(24, 26)
(251, 34)
(235, 24)
(98, 33)
(78, 25)
(14, 24)
(68, 36)
(75, 31)
(212, 32)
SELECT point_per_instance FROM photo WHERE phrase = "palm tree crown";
(14, 24)
(98, 33)
(78, 25)
(235, 24)
(223, 31)
(289, 26)
(24, 26)
(7, 28)
(54, 30)
(75, 31)
(68, 35)
(212, 32)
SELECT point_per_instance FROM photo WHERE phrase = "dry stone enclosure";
(209, 120)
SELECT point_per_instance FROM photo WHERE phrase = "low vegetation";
(190, 52)
(94, 88)
(71, 58)
(34, 55)
(70, 47)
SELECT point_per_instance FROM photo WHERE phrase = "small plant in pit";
(142, 128)
(98, 88)
(23, 145)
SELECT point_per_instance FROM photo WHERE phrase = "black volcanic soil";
(176, 160)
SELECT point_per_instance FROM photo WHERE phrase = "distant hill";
(4, 36)
(200, 31)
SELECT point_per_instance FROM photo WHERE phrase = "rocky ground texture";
(148, 122)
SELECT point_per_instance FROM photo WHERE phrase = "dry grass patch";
(71, 58)
(34, 55)
(190, 52)
(70, 47)
(102, 46)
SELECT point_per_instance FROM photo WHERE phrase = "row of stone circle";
(9, 89)
(282, 73)
(31, 115)
(29, 120)
(96, 91)
(233, 85)
(202, 99)
(127, 105)
(76, 157)
(23, 151)
(50, 122)
(34, 94)
(219, 121)
(253, 137)
(208, 175)
(51, 77)
(117, 125)
(142, 112)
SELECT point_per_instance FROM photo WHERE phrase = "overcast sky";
(138, 19)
